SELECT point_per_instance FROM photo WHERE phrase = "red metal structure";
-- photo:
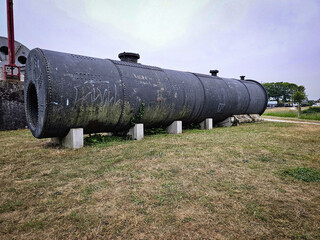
(11, 71)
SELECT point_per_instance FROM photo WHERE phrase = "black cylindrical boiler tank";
(64, 91)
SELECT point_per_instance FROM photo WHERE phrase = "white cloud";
(154, 22)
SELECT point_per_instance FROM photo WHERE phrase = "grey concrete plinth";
(175, 128)
(243, 118)
(137, 132)
(256, 117)
(228, 122)
(73, 140)
(206, 124)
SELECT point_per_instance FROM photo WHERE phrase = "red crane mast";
(11, 70)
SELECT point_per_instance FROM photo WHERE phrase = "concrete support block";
(137, 132)
(228, 122)
(206, 124)
(175, 128)
(256, 117)
(73, 140)
(243, 118)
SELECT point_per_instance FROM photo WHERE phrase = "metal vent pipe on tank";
(129, 57)
(214, 72)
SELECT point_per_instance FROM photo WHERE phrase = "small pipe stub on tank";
(129, 57)
(242, 77)
(214, 72)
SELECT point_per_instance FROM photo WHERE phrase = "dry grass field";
(308, 113)
(254, 181)
(283, 109)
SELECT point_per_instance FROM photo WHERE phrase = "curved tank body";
(64, 91)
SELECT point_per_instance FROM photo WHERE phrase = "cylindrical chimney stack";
(242, 77)
(214, 72)
(129, 57)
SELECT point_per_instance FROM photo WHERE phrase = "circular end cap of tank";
(36, 88)
(129, 57)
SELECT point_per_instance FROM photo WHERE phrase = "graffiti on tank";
(95, 92)
(141, 77)
(220, 107)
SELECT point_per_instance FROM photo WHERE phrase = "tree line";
(286, 92)
(283, 92)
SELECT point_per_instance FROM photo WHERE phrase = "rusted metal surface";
(64, 91)
(10, 26)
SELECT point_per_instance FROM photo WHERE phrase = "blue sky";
(266, 40)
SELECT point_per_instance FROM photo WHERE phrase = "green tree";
(273, 91)
(279, 91)
(288, 91)
(282, 91)
(298, 96)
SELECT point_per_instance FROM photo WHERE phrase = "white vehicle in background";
(316, 105)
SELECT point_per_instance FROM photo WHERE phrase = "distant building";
(272, 104)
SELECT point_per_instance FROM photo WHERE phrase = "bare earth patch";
(244, 182)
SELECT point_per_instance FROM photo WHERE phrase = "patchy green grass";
(311, 110)
(222, 184)
(10, 206)
(309, 113)
(105, 140)
(310, 116)
(303, 173)
(289, 113)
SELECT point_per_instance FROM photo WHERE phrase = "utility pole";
(11, 70)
